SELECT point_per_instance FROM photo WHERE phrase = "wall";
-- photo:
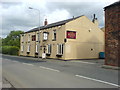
(89, 36)
(25, 43)
(112, 33)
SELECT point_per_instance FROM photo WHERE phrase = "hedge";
(11, 50)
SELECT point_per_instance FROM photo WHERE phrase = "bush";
(11, 50)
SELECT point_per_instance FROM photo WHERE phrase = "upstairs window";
(60, 49)
(45, 36)
(49, 49)
(38, 37)
(29, 38)
(54, 35)
(22, 38)
(33, 37)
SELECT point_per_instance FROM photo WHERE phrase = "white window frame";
(28, 48)
(22, 48)
(22, 38)
(60, 49)
(45, 36)
(36, 50)
(28, 37)
(49, 48)
(38, 37)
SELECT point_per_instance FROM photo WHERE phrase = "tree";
(11, 44)
(13, 39)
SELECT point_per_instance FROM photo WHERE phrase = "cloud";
(16, 15)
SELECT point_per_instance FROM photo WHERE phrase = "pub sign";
(71, 34)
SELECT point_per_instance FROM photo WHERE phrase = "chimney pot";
(45, 22)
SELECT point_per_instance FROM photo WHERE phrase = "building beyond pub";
(74, 38)
(112, 34)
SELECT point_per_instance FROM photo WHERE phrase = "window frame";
(49, 48)
(60, 49)
(28, 48)
(36, 48)
(22, 48)
(33, 37)
(45, 36)
(54, 33)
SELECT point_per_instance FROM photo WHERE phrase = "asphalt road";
(27, 72)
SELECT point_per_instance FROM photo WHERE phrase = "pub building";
(74, 38)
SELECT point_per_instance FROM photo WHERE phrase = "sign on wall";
(71, 34)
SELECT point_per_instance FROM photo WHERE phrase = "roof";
(114, 4)
(54, 24)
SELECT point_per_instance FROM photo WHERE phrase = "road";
(27, 72)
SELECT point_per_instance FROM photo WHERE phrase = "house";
(112, 34)
(74, 38)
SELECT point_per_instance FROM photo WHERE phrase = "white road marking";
(98, 80)
(14, 61)
(49, 69)
(83, 62)
(28, 64)
(6, 59)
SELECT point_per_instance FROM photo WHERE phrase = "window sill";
(28, 52)
(44, 40)
(59, 55)
(54, 40)
(48, 54)
(36, 53)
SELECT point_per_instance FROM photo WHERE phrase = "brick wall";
(112, 35)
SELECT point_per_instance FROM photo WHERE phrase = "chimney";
(45, 22)
(95, 21)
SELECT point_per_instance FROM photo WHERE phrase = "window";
(60, 49)
(38, 37)
(45, 35)
(22, 48)
(36, 48)
(29, 38)
(33, 37)
(28, 48)
(49, 49)
(22, 38)
(54, 35)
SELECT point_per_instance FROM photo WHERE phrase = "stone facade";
(112, 34)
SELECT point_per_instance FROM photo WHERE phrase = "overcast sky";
(15, 15)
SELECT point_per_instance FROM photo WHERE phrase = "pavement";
(49, 73)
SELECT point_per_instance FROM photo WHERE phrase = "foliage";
(11, 44)
(11, 50)
(13, 39)
(0, 45)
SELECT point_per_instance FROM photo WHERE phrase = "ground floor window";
(28, 48)
(49, 49)
(59, 49)
(22, 48)
(36, 48)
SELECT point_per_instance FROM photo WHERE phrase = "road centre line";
(98, 80)
(49, 69)
(28, 64)
(14, 61)
(83, 62)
